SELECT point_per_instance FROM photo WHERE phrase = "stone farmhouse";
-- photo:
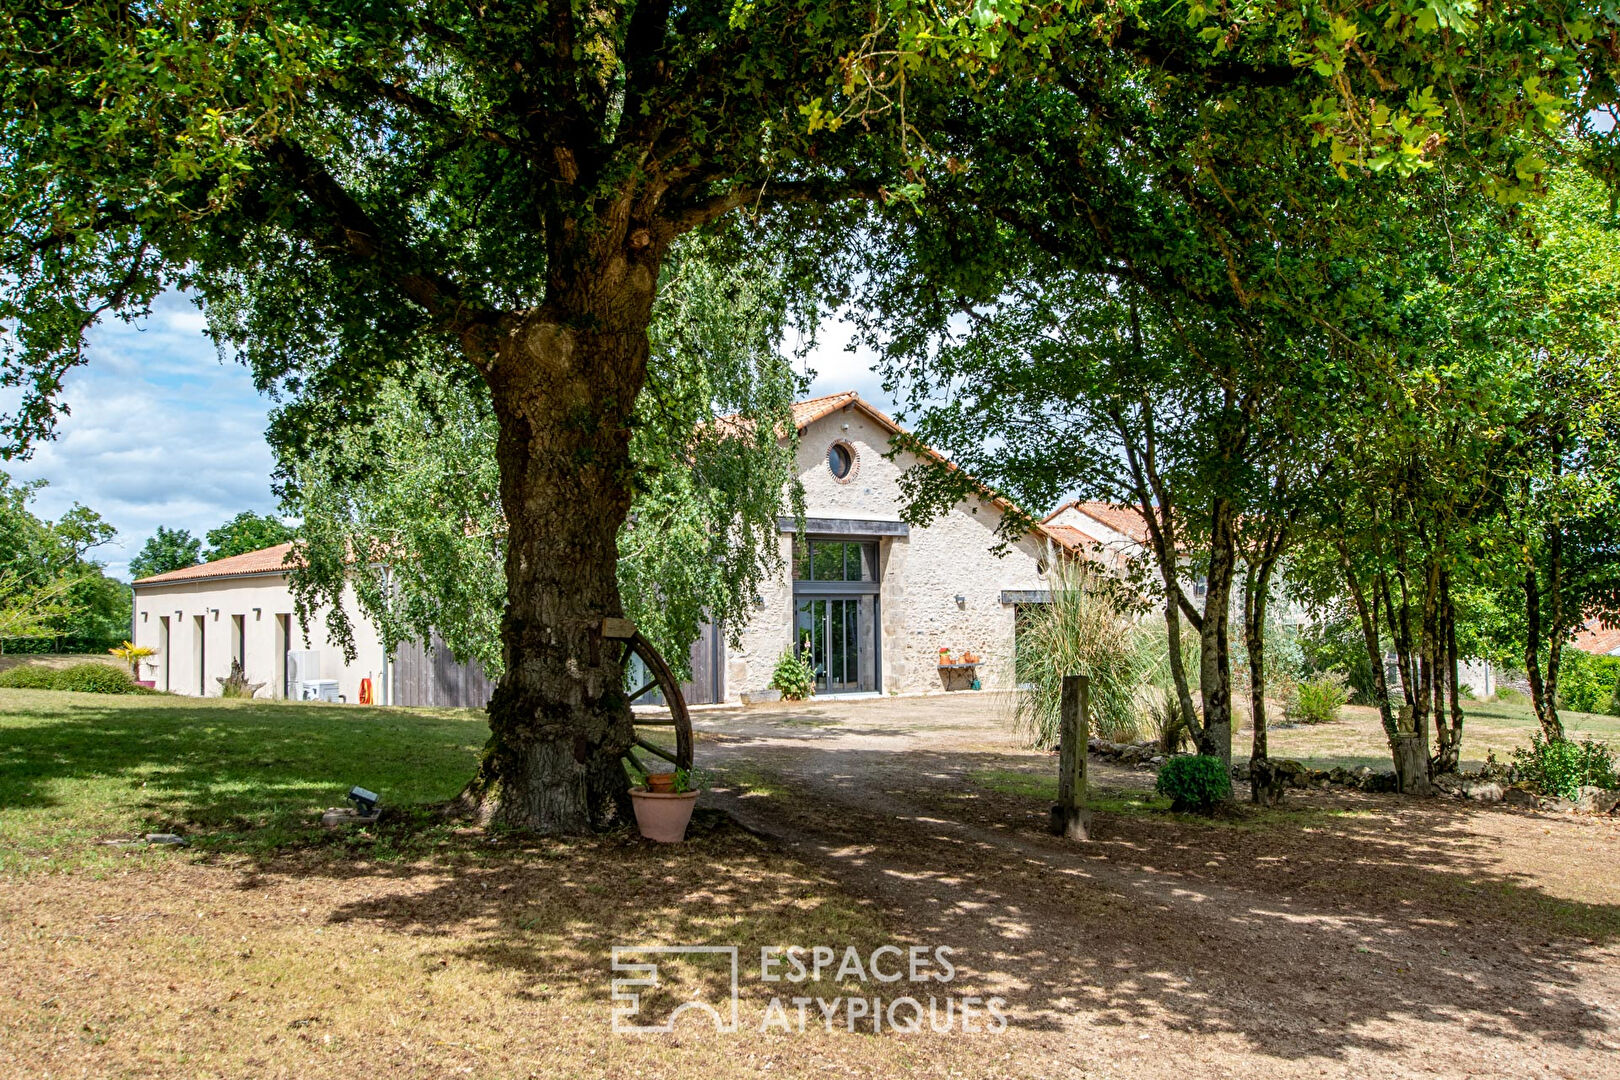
(873, 598)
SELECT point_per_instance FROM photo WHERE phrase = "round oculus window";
(840, 460)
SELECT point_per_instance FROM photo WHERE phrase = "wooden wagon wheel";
(655, 741)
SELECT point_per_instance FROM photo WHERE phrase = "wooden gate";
(431, 675)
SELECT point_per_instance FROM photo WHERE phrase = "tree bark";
(1254, 641)
(564, 382)
(1400, 631)
(1449, 753)
(1178, 669)
(1428, 642)
(1215, 657)
(1543, 694)
(1375, 648)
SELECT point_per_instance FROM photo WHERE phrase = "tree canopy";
(53, 594)
(165, 550)
(245, 532)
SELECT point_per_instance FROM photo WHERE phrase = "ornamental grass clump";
(1194, 783)
(1086, 629)
(1318, 698)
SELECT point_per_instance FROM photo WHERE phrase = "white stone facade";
(940, 584)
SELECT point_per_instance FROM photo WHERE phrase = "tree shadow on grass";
(1352, 925)
(221, 769)
(1347, 924)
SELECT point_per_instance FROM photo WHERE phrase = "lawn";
(274, 947)
(1358, 739)
(229, 775)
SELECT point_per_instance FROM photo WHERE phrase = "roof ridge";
(259, 559)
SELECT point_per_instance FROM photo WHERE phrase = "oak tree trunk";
(564, 383)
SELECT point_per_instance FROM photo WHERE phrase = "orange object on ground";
(365, 691)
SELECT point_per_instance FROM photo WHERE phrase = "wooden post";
(1069, 816)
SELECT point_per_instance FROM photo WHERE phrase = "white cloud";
(160, 432)
(835, 367)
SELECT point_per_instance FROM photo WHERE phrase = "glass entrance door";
(840, 635)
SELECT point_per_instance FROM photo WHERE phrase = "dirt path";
(1356, 936)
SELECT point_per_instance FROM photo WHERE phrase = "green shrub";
(1317, 700)
(1587, 683)
(28, 677)
(93, 679)
(1336, 644)
(794, 676)
(1562, 767)
(1194, 783)
(1507, 695)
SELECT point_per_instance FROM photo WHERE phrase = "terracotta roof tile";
(1069, 538)
(1126, 520)
(810, 410)
(1593, 638)
(264, 561)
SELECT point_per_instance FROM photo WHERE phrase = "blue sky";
(163, 433)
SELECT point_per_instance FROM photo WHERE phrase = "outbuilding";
(871, 599)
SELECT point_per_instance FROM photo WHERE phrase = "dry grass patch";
(492, 961)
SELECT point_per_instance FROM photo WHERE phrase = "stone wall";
(922, 574)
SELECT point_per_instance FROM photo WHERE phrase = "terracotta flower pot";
(663, 815)
(661, 782)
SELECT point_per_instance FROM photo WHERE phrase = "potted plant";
(132, 654)
(944, 656)
(663, 815)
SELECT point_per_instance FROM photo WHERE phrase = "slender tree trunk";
(1411, 677)
(1178, 669)
(1543, 694)
(564, 383)
(1428, 693)
(1401, 643)
(1215, 650)
(1256, 594)
(1369, 637)
(1451, 747)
